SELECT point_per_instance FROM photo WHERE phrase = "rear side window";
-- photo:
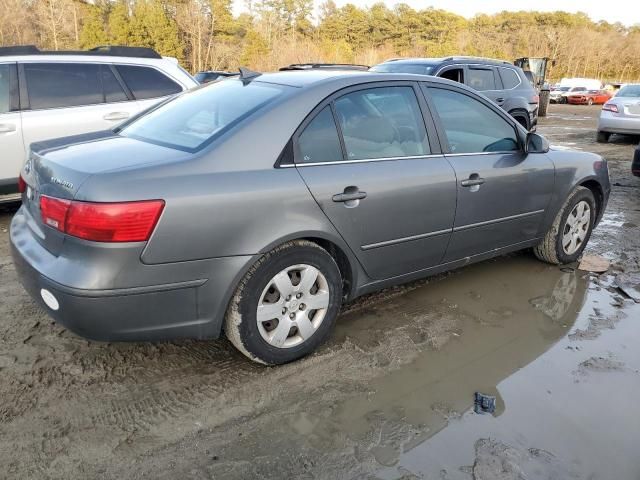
(54, 85)
(319, 141)
(382, 122)
(146, 82)
(510, 78)
(113, 91)
(470, 125)
(481, 79)
(194, 119)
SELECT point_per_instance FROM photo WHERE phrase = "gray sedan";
(258, 205)
(621, 114)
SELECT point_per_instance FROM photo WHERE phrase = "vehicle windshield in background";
(629, 91)
(196, 118)
(393, 67)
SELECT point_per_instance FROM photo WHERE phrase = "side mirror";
(536, 143)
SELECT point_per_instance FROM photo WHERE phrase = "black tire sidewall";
(248, 328)
(578, 196)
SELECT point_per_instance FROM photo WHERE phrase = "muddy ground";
(389, 397)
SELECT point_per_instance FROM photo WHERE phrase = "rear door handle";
(499, 100)
(113, 116)
(7, 127)
(349, 197)
(472, 182)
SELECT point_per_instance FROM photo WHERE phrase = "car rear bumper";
(154, 310)
(616, 124)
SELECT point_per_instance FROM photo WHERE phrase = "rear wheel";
(521, 117)
(568, 236)
(286, 305)
(602, 137)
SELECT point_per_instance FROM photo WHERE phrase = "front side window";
(382, 122)
(54, 85)
(481, 79)
(319, 142)
(470, 125)
(147, 82)
(194, 119)
(5, 88)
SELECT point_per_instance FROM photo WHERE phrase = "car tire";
(567, 238)
(602, 137)
(302, 328)
(590, 102)
(521, 117)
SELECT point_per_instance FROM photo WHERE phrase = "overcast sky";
(626, 12)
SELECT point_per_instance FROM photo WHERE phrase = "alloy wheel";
(576, 228)
(292, 306)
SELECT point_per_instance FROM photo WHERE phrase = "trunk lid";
(58, 168)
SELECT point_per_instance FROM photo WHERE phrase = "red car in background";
(590, 97)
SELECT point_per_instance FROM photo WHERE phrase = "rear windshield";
(194, 119)
(629, 91)
(393, 67)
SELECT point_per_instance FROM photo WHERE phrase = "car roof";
(458, 59)
(307, 78)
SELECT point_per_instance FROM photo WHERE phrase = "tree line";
(204, 34)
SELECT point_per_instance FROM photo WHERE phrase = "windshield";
(394, 67)
(195, 118)
(629, 91)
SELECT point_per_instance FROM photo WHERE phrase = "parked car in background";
(590, 97)
(560, 94)
(213, 75)
(54, 94)
(621, 114)
(256, 206)
(323, 66)
(502, 82)
(635, 164)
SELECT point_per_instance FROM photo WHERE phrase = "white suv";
(46, 95)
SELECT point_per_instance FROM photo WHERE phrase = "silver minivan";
(46, 95)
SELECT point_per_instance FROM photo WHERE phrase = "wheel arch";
(598, 193)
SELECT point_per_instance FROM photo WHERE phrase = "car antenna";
(246, 75)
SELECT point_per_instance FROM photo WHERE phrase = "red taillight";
(102, 222)
(22, 185)
(610, 107)
(54, 211)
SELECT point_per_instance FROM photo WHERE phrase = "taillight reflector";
(102, 222)
(22, 185)
(610, 107)
(54, 211)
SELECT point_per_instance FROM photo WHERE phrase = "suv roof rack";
(484, 59)
(103, 50)
(327, 66)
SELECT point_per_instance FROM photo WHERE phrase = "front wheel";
(286, 305)
(568, 236)
(590, 101)
(602, 137)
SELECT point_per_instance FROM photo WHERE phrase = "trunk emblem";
(62, 183)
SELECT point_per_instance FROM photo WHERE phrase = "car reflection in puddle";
(510, 312)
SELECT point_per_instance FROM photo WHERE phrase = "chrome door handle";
(116, 116)
(349, 197)
(472, 182)
(7, 127)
